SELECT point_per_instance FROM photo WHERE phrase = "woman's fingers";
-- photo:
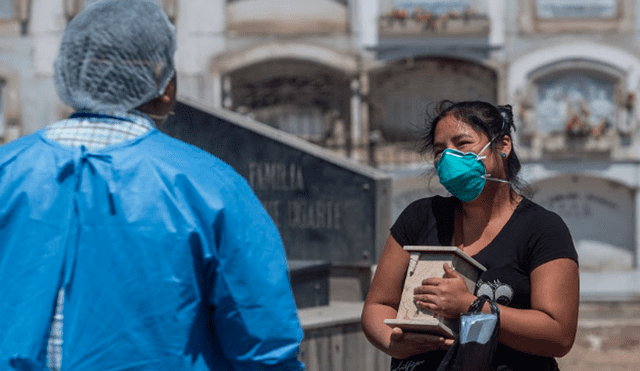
(427, 298)
(433, 281)
(406, 343)
(429, 289)
(447, 296)
(427, 341)
(396, 334)
(449, 272)
(429, 304)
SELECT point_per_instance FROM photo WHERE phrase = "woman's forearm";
(549, 328)
(395, 342)
(373, 316)
(534, 332)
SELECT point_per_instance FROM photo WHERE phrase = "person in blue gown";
(145, 253)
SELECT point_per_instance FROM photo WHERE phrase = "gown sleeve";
(254, 316)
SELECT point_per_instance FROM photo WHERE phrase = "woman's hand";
(447, 296)
(406, 344)
(382, 303)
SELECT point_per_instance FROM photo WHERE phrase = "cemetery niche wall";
(328, 209)
(600, 215)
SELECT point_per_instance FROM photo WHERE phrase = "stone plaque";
(600, 215)
(327, 208)
(427, 262)
(577, 8)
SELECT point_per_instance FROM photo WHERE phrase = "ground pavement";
(608, 338)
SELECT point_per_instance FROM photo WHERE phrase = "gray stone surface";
(326, 208)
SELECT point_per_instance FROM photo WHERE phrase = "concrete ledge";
(334, 314)
(608, 323)
(610, 286)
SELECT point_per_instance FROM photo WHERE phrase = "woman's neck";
(481, 219)
(494, 200)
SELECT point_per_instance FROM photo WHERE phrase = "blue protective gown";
(168, 260)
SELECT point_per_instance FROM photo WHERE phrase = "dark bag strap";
(449, 360)
(476, 306)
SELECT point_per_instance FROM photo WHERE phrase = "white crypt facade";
(355, 77)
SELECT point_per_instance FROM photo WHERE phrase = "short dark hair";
(494, 121)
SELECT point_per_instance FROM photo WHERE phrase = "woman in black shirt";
(531, 262)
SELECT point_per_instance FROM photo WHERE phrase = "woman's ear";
(505, 146)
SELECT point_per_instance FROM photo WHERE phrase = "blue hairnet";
(115, 55)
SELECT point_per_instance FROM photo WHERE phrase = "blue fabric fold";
(25, 364)
(168, 260)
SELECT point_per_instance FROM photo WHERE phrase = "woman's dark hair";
(494, 121)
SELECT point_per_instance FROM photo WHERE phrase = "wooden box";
(426, 262)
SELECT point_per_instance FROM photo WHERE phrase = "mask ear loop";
(489, 177)
(478, 157)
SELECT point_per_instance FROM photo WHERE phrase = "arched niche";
(403, 90)
(521, 68)
(600, 214)
(232, 60)
(301, 97)
(579, 99)
(586, 60)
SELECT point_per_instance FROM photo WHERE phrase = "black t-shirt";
(530, 238)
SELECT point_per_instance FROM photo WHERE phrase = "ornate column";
(626, 116)
(171, 8)
(24, 14)
(637, 229)
(216, 82)
(355, 131)
(227, 100)
(72, 8)
(365, 134)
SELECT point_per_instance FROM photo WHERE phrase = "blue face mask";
(463, 174)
